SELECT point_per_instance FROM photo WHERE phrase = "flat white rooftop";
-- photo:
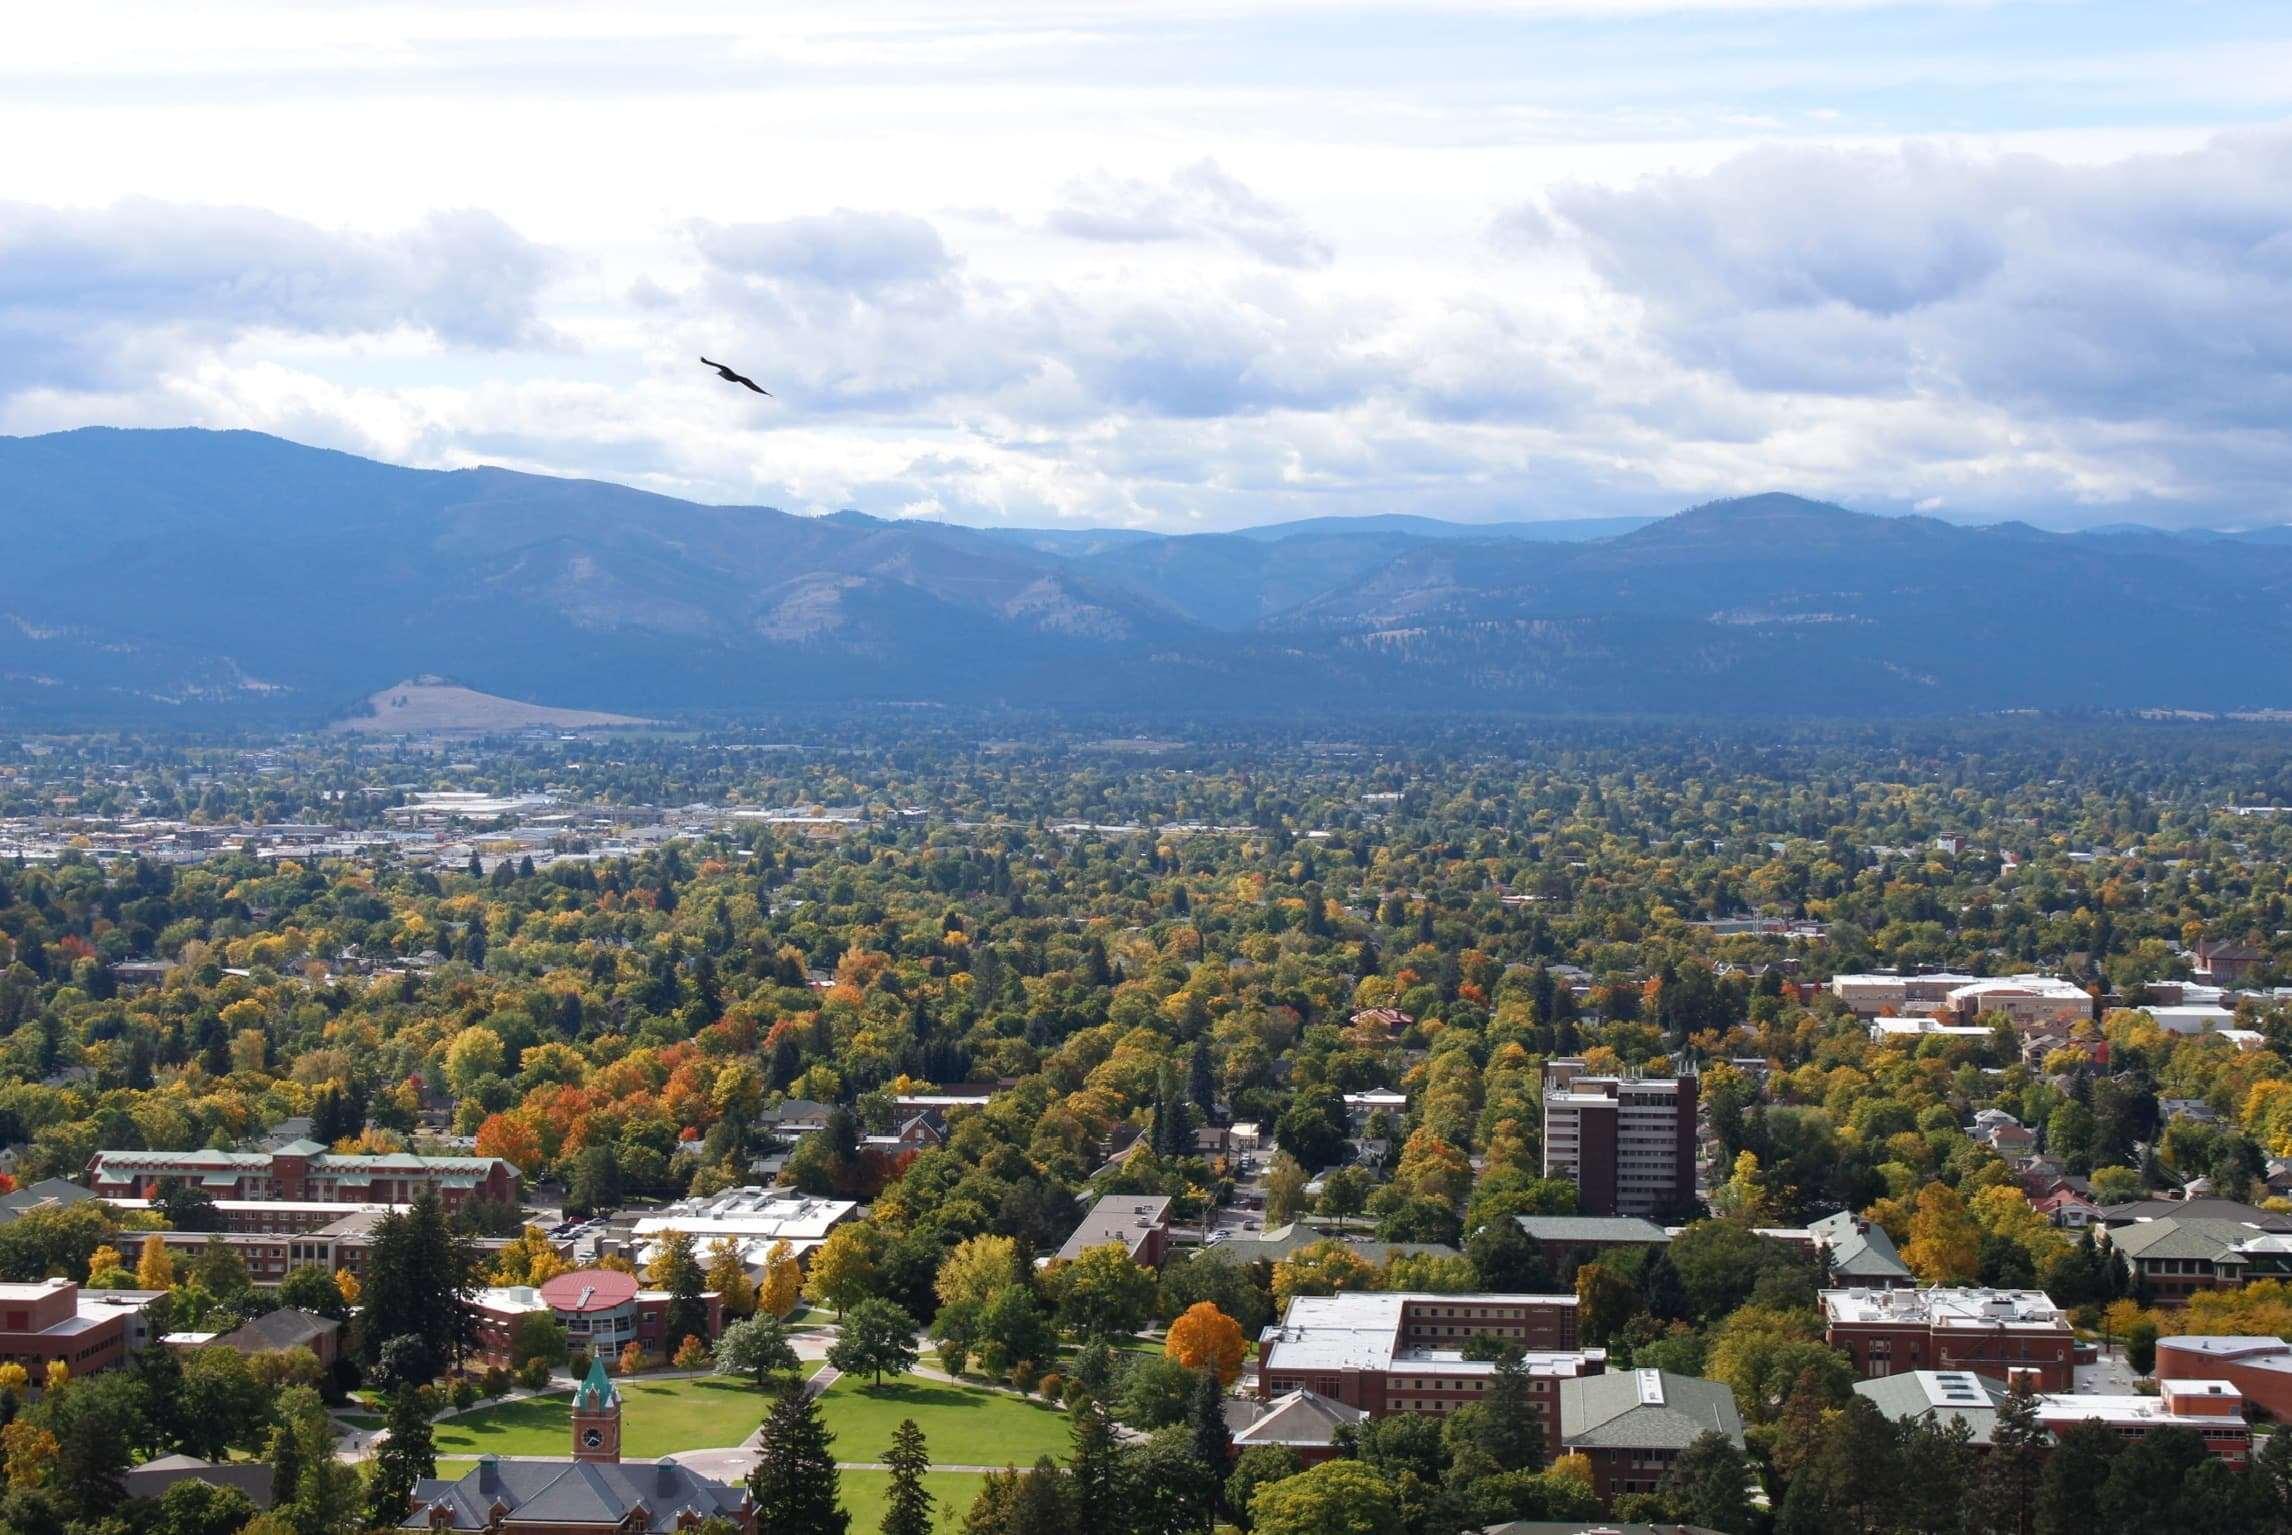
(1945, 1307)
(1362, 1330)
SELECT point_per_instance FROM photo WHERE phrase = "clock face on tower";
(593, 1438)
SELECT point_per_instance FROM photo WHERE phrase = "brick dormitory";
(306, 1172)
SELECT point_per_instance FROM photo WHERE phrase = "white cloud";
(1200, 266)
(89, 296)
(1198, 202)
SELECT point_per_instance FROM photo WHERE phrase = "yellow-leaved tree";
(528, 1260)
(783, 1282)
(726, 1273)
(976, 1269)
(104, 1265)
(154, 1265)
(1945, 1239)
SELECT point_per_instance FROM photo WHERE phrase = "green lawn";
(963, 1425)
(864, 1493)
(657, 1418)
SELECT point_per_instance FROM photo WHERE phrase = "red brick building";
(305, 1171)
(1631, 1425)
(54, 1320)
(1137, 1223)
(2258, 1367)
(2211, 1409)
(601, 1310)
(2004, 1334)
(272, 1252)
(1387, 1352)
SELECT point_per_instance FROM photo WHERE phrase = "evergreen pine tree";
(1097, 1492)
(2069, 1489)
(907, 1507)
(1201, 1081)
(1212, 1442)
(285, 1456)
(1512, 1429)
(795, 1483)
(407, 1456)
(2006, 1499)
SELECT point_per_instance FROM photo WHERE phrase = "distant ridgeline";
(189, 576)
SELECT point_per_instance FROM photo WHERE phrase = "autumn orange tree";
(1203, 1337)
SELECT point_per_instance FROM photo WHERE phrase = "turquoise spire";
(596, 1391)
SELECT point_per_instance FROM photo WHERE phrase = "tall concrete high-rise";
(1627, 1143)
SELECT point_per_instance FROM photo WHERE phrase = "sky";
(1188, 266)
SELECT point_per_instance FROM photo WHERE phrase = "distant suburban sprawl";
(1530, 1128)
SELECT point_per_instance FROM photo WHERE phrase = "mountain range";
(217, 576)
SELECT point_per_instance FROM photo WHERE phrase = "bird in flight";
(731, 377)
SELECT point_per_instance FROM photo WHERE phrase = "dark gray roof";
(154, 1477)
(1294, 1418)
(1645, 1410)
(2181, 1237)
(571, 1492)
(1126, 1219)
(48, 1191)
(283, 1328)
(1938, 1394)
(1592, 1527)
(1279, 1242)
(2194, 1209)
(1592, 1228)
(1858, 1249)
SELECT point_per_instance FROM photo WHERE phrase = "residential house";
(2065, 1206)
(1386, 1020)
(1360, 1108)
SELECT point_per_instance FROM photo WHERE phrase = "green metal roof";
(597, 1390)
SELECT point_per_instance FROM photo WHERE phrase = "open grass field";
(864, 1494)
(962, 1425)
(657, 1418)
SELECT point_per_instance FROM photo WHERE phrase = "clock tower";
(597, 1416)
